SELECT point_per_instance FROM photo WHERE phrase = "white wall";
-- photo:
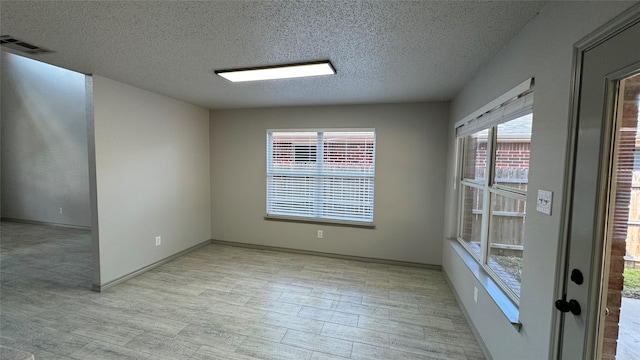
(152, 177)
(44, 143)
(409, 184)
(543, 50)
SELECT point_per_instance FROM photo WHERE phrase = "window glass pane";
(634, 214)
(506, 237)
(291, 195)
(475, 156)
(295, 151)
(321, 175)
(305, 153)
(470, 228)
(347, 198)
(348, 152)
(512, 152)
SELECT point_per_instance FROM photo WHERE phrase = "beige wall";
(151, 177)
(409, 184)
(44, 143)
(543, 50)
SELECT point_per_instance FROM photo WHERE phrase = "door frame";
(609, 30)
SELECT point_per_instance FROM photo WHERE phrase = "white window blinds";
(321, 175)
(513, 104)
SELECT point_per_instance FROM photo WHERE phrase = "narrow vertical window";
(494, 169)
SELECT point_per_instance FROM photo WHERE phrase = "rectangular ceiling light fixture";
(315, 68)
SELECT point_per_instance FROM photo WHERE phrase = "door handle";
(572, 306)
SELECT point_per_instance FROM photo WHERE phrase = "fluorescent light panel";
(317, 68)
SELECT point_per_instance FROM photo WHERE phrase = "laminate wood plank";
(286, 288)
(432, 321)
(97, 350)
(256, 293)
(224, 296)
(356, 334)
(342, 281)
(274, 306)
(46, 319)
(391, 327)
(329, 316)
(425, 347)
(268, 350)
(231, 324)
(241, 312)
(322, 356)
(474, 353)
(336, 295)
(222, 302)
(305, 300)
(184, 289)
(19, 330)
(211, 336)
(318, 343)
(359, 309)
(163, 346)
(319, 284)
(211, 353)
(60, 342)
(132, 319)
(370, 352)
(364, 290)
(106, 332)
(293, 322)
(459, 338)
(389, 304)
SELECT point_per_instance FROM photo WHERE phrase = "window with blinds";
(321, 175)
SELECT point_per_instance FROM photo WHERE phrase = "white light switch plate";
(544, 201)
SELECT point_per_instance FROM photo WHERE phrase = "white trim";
(300, 190)
(320, 220)
(269, 131)
(516, 107)
(612, 28)
(521, 88)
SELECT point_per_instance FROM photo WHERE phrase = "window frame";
(318, 174)
(520, 99)
(489, 189)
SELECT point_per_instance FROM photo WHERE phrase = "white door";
(606, 61)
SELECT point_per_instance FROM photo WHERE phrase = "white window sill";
(366, 225)
(508, 308)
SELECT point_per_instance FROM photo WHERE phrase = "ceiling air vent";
(19, 45)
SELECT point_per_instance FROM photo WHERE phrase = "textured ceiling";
(384, 51)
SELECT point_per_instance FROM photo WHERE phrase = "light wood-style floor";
(222, 302)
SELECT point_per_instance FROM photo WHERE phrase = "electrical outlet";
(158, 240)
(60, 210)
(475, 294)
(320, 234)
